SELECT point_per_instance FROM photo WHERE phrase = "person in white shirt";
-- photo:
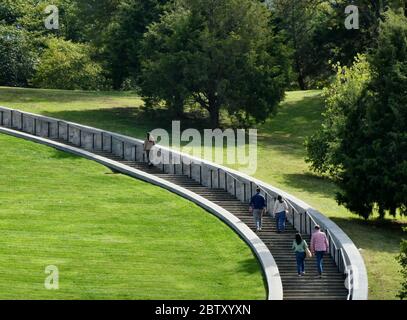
(149, 143)
(280, 211)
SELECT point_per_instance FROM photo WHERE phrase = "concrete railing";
(209, 174)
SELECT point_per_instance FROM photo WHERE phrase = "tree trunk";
(301, 81)
(213, 108)
(382, 214)
(214, 117)
(301, 77)
(178, 108)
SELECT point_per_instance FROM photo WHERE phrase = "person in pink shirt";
(319, 246)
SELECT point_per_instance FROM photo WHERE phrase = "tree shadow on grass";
(58, 96)
(132, 121)
(61, 155)
(113, 172)
(126, 120)
(285, 133)
(249, 266)
(311, 183)
(381, 236)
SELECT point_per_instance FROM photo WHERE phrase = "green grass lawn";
(111, 236)
(280, 161)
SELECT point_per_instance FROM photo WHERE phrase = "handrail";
(267, 194)
(347, 272)
(341, 261)
(234, 182)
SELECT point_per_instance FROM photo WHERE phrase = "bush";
(129, 84)
(68, 65)
(363, 142)
(220, 55)
(18, 56)
(402, 259)
(340, 98)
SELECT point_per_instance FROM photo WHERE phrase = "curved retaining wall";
(269, 266)
(303, 216)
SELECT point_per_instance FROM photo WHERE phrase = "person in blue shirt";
(258, 208)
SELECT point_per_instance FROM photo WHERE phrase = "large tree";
(18, 56)
(122, 36)
(300, 20)
(402, 259)
(67, 65)
(317, 35)
(218, 55)
(364, 143)
(333, 41)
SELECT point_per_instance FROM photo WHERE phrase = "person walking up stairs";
(319, 247)
(258, 208)
(280, 211)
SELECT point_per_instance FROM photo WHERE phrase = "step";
(330, 287)
(305, 297)
(312, 275)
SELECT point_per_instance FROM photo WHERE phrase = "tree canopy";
(363, 142)
(68, 65)
(221, 55)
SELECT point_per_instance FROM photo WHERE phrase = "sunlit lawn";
(280, 160)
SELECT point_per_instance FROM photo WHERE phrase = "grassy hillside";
(280, 160)
(108, 236)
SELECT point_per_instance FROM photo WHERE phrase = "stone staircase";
(309, 287)
(330, 287)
